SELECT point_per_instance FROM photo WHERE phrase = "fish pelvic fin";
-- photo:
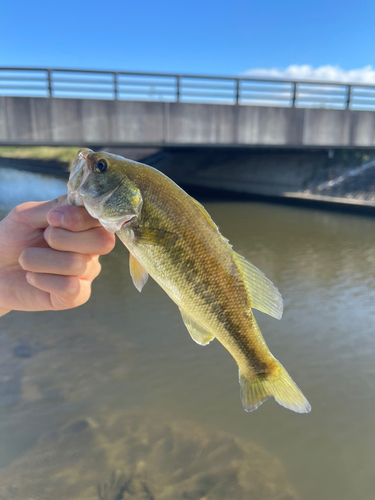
(138, 273)
(279, 384)
(199, 334)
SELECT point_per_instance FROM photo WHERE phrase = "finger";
(96, 241)
(49, 261)
(65, 291)
(72, 218)
(34, 213)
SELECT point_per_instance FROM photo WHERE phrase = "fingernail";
(29, 277)
(56, 218)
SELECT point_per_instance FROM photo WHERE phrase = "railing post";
(115, 86)
(294, 94)
(237, 90)
(49, 83)
(348, 97)
(177, 88)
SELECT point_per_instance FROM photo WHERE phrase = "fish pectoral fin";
(262, 293)
(152, 236)
(138, 273)
(197, 332)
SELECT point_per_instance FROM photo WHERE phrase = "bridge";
(47, 106)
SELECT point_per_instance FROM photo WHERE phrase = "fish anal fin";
(138, 273)
(279, 384)
(262, 293)
(153, 236)
(197, 332)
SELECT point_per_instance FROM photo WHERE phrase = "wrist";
(4, 311)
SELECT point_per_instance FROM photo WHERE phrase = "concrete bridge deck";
(98, 122)
(94, 107)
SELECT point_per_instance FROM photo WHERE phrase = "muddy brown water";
(128, 351)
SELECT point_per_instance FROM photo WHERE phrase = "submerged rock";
(144, 456)
(45, 361)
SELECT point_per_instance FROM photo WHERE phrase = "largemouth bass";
(172, 238)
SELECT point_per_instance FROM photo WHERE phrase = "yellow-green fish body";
(172, 238)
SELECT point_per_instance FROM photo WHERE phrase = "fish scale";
(172, 238)
(221, 308)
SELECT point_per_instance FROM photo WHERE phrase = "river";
(126, 355)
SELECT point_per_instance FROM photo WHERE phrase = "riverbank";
(343, 179)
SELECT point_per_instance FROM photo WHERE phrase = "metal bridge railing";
(166, 87)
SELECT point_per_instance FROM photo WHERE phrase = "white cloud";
(322, 73)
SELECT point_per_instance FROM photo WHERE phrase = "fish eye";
(101, 166)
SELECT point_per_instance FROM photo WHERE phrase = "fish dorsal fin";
(210, 221)
(197, 332)
(263, 294)
(138, 273)
(206, 214)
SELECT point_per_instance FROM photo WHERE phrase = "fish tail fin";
(279, 384)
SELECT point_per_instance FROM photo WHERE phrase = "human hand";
(49, 256)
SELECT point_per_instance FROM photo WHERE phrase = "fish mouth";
(78, 174)
(78, 196)
(95, 207)
(83, 153)
(128, 221)
(114, 225)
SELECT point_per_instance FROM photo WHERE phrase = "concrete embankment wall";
(99, 122)
(308, 175)
(346, 178)
(253, 172)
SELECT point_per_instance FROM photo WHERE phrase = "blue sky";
(212, 37)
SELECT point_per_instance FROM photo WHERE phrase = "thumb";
(35, 213)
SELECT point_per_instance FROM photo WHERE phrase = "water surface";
(129, 351)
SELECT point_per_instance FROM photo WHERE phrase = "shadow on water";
(113, 401)
(220, 195)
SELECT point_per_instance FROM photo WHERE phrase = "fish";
(171, 237)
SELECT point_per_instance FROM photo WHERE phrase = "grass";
(63, 154)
